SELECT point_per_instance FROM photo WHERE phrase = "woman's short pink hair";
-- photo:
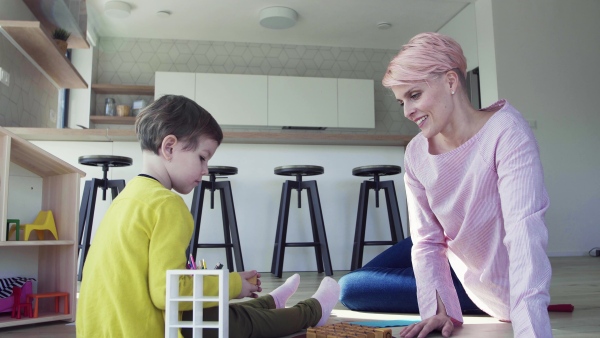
(424, 55)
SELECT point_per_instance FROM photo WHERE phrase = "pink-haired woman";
(476, 196)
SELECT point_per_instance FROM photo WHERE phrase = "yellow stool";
(10, 230)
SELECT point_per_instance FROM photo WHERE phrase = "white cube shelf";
(172, 322)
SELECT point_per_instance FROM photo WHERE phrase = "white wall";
(546, 54)
(257, 191)
(80, 99)
(488, 81)
(542, 55)
(463, 29)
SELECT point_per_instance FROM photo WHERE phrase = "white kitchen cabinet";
(280, 101)
(356, 103)
(233, 99)
(302, 101)
(174, 84)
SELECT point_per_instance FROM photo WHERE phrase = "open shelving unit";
(105, 88)
(56, 259)
(119, 89)
(33, 40)
(102, 119)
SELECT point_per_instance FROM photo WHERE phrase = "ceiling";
(339, 23)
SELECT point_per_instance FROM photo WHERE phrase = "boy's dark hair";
(178, 116)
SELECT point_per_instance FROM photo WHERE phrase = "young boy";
(147, 229)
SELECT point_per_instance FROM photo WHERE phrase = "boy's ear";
(167, 146)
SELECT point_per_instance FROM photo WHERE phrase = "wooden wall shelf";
(104, 88)
(40, 47)
(99, 119)
(53, 14)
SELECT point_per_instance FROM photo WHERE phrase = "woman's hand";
(439, 322)
(249, 289)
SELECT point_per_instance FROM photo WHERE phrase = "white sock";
(328, 295)
(284, 292)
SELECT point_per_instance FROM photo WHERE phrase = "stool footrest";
(379, 242)
(302, 244)
(214, 245)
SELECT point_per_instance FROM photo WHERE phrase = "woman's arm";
(429, 254)
(524, 202)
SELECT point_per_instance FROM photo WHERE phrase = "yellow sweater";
(144, 233)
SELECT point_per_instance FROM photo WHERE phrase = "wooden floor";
(576, 280)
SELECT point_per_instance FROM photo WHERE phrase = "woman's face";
(428, 103)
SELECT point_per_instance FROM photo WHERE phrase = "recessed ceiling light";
(117, 9)
(278, 17)
(384, 25)
(163, 14)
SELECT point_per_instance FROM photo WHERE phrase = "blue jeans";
(387, 284)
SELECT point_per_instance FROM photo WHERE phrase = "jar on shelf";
(110, 108)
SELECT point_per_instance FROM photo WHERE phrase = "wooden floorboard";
(575, 280)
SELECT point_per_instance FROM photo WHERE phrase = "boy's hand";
(249, 289)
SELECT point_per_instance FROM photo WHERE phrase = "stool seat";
(372, 170)
(105, 160)
(222, 170)
(302, 170)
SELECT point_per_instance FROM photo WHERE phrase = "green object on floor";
(17, 224)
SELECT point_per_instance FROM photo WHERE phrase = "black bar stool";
(316, 217)
(230, 229)
(375, 171)
(88, 201)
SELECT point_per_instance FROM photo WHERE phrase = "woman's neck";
(465, 123)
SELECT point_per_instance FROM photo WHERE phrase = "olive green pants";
(259, 318)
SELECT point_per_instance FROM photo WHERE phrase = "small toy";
(252, 280)
(11, 229)
(35, 297)
(43, 221)
(18, 306)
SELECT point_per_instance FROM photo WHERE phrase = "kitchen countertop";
(291, 137)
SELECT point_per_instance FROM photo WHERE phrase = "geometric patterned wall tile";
(134, 61)
(31, 100)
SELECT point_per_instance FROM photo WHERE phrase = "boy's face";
(188, 166)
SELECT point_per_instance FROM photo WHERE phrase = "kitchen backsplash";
(30, 100)
(134, 61)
